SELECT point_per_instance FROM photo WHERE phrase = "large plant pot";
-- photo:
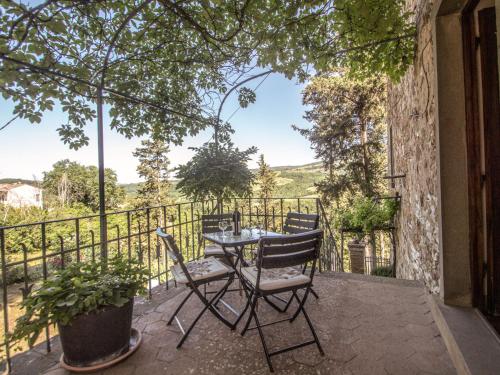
(357, 256)
(97, 337)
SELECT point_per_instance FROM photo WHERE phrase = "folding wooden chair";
(296, 223)
(276, 272)
(194, 274)
(210, 224)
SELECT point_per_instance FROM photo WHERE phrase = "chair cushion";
(216, 250)
(200, 269)
(275, 278)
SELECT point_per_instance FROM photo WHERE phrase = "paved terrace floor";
(367, 325)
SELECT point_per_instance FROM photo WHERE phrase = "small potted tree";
(91, 303)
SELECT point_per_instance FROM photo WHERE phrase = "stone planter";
(357, 256)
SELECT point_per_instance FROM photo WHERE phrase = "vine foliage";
(164, 66)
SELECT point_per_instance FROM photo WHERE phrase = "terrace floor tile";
(360, 333)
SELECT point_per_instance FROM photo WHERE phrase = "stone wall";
(412, 116)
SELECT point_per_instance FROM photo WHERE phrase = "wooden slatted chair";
(194, 274)
(210, 224)
(277, 270)
(295, 223)
(298, 222)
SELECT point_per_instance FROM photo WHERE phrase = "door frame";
(477, 215)
(473, 134)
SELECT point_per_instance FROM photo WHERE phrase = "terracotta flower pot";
(97, 337)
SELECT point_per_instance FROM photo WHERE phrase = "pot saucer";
(135, 342)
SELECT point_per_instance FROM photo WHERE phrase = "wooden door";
(491, 140)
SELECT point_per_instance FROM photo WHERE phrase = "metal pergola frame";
(100, 88)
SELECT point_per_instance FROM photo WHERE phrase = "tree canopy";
(266, 179)
(154, 168)
(165, 66)
(70, 183)
(348, 133)
(216, 171)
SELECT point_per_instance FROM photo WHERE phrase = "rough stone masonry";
(412, 116)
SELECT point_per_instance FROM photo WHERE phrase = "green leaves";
(266, 179)
(246, 96)
(71, 183)
(80, 288)
(69, 301)
(366, 214)
(348, 117)
(216, 172)
(181, 56)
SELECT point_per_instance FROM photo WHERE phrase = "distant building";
(20, 195)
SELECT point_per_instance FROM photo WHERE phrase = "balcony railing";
(32, 252)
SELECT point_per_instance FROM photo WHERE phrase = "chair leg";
(309, 323)
(288, 303)
(179, 308)
(261, 334)
(304, 269)
(249, 298)
(264, 345)
(314, 293)
(301, 303)
(276, 307)
(208, 305)
(247, 324)
(217, 297)
(313, 331)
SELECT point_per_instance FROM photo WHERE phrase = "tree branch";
(9, 122)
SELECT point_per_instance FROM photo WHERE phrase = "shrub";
(385, 271)
(365, 214)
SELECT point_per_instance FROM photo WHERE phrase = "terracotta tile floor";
(366, 325)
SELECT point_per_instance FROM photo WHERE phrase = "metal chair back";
(174, 254)
(210, 223)
(298, 222)
(170, 245)
(288, 251)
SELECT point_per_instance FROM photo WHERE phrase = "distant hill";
(16, 180)
(316, 166)
(293, 181)
(298, 180)
(131, 189)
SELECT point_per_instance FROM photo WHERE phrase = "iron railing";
(372, 263)
(32, 252)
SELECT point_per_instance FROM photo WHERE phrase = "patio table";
(237, 242)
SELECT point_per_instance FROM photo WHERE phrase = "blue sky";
(26, 150)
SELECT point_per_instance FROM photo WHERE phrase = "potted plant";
(91, 303)
(363, 217)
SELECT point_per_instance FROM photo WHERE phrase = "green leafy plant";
(216, 171)
(385, 271)
(366, 214)
(179, 56)
(348, 133)
(81, 288)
